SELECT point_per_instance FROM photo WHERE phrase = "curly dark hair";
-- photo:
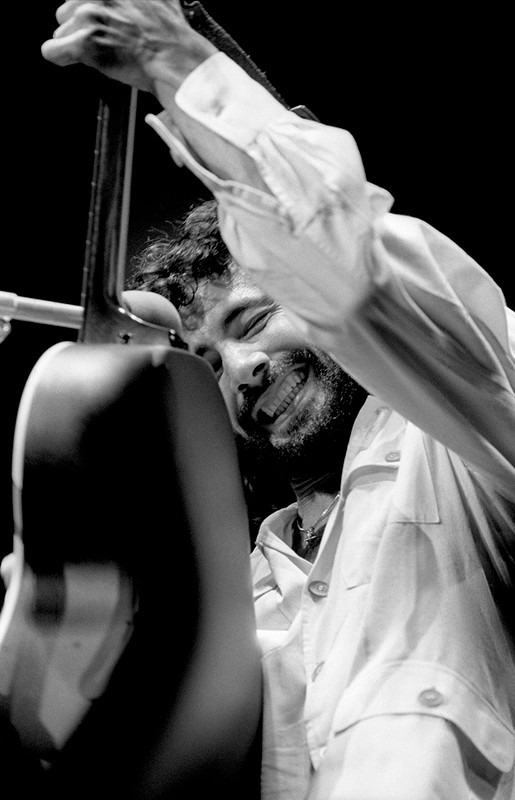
(174, 265)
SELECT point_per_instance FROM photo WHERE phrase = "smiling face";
(286, 401)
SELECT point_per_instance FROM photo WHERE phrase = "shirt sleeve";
(402, 308)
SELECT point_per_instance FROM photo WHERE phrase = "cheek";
(280, 345)
(280, 336)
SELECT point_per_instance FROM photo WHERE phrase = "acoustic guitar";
(129, 665)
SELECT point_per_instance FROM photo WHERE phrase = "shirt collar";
(377, 431)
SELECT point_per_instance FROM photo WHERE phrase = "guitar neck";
(106, 318)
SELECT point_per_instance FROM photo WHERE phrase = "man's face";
(285, 400)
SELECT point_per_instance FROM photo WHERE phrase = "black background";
(427, 97)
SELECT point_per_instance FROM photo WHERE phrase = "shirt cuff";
(221, 96)
(232, 110)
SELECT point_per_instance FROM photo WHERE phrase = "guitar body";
(128, 659)
(129, 663)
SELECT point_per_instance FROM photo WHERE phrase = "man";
(388, 671)
(292, 407)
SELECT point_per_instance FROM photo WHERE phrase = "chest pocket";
(414, 499)
(397, 486)
(430, 689)
(365, 515)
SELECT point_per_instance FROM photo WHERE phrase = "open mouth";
(279, 396)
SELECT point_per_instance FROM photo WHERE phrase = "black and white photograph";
(257, 353)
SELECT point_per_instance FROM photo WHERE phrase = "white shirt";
(394, 618)
(387, 671)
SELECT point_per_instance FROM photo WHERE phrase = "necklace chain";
(311, 532)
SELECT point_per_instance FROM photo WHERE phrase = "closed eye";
(256, 323)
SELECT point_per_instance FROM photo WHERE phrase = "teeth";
(281, 399)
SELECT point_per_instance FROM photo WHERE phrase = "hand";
(138, 42)
(7, 566)
(153, 308)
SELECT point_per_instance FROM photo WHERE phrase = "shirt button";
(394, 455)
(431, 698)
(322, 752)
(317, 670)
(318, 588)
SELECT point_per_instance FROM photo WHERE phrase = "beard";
(317, 435)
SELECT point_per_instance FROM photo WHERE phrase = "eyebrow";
(240, 308)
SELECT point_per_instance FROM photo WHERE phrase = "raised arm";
(404, 310)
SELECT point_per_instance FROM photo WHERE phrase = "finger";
(153, 308)
(85, 14)
(66, 50)
(71, 40)
(7, 568)
(69, 8)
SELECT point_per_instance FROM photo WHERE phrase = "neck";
(314, 494)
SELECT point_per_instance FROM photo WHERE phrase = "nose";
(244, 366)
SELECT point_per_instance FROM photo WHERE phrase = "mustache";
(244, 416)
(274, 371)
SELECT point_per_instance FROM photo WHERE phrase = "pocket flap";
(415, 495)
(421, 688)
